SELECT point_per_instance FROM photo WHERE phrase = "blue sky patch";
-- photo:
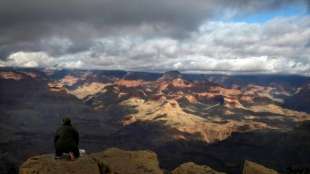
(263, 16)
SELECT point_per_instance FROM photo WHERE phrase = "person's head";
(66, 121)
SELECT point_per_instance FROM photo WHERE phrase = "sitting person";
(67, 140)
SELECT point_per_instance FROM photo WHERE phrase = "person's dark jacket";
(67, 139)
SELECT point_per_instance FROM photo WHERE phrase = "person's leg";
(76, 152)
(71, 155)
(58, 153)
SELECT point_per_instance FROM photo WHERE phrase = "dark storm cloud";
(183, 13)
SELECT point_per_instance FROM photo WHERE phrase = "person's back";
(67, 139)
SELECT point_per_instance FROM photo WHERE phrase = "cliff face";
(117, 161)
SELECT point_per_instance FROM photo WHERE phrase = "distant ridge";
(170, 75)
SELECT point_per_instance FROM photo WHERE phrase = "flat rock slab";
(110, 161)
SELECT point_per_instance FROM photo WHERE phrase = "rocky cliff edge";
(117, 161)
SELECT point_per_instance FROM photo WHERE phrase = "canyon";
(216, 120)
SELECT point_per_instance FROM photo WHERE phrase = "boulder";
(119, 161)
(254, 168)
(192, 168)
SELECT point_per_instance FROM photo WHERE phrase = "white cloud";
(28, 59)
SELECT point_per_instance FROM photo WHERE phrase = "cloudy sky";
(219, 36)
